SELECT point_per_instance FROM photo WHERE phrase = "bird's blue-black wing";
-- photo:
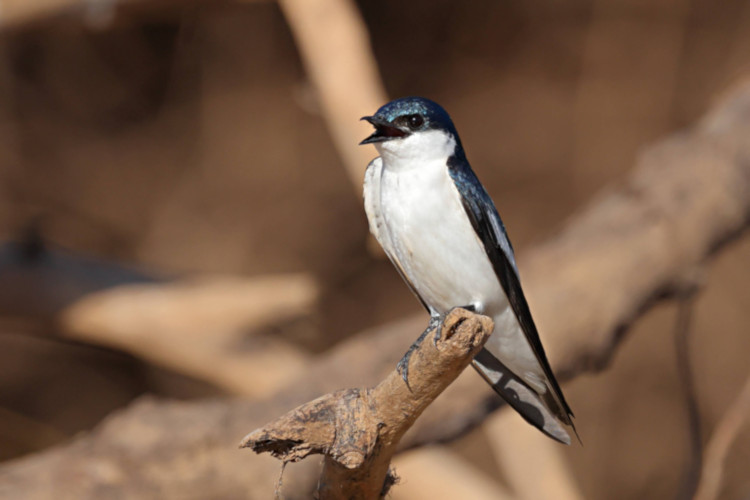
(488, 225)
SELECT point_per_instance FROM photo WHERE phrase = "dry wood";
(687, 197)
(358, 430)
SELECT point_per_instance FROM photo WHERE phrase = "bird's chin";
(392, 147)
(431, 145)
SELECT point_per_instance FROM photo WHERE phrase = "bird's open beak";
(384, 131)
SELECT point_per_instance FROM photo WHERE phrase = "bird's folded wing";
(488, 225)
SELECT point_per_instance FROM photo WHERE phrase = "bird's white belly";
(417, 215)
(435, 243)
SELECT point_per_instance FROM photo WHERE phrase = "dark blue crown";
(435, 117)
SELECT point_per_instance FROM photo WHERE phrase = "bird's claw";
(403, 368)
(436, 322)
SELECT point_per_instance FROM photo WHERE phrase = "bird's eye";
(414, 121)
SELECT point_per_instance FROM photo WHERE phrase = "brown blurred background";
(166, 140)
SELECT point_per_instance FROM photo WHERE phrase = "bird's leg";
(403, 366)
(436, 323)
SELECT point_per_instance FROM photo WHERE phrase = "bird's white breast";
(415, 211)
(431, 236)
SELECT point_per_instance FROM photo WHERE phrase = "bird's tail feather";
(536, 409)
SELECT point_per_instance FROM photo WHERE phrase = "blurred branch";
(358, 430)
(201, 327)
(721, 441)
(687, 197)
(334, 44)
(197, 327)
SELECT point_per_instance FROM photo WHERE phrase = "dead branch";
(358, 430)
(688, 197)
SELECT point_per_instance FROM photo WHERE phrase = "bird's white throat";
(416, 149)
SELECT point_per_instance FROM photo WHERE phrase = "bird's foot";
(436, 322)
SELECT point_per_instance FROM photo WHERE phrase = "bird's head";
(412, 126)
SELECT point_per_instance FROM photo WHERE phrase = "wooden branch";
(688, 197)
(358, 430)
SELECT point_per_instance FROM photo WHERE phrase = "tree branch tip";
(260, 441)
(286, 450)
(253, 440)
(470, 327)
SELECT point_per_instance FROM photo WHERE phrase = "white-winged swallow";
(441, 231)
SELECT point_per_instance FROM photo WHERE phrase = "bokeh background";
(157, 141)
